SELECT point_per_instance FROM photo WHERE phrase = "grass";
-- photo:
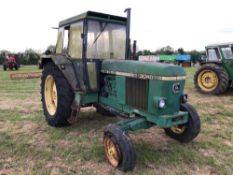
(29, 146)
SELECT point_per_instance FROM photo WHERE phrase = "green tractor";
(90, 68)
(216, 72)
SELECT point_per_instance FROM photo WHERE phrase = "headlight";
(162, 103)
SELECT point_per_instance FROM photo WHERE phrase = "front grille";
(137, 93)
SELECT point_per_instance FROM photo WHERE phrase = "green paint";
(227, 64)
(134, 124)
(86, 98)
(111, 102)
(120, 88)
(164, 89)
(164, 121)
(137, 67)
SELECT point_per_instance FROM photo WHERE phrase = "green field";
(29, 146)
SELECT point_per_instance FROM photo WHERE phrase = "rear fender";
(65, 65)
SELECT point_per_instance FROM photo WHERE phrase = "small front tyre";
(186, 132)
(119, 149)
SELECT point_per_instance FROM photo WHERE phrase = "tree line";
(168, 50)
(30, 57)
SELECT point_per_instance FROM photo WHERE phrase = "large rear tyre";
(119, 149)
(211, 79)
(57, 96)
(186, 132)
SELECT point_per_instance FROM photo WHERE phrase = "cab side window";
(213, 54)
(62, 40)
(227, 52)
(59, 45)
(75, 40)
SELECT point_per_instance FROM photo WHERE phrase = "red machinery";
(10, 63)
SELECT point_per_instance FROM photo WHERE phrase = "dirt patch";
(36, 134)
(5, 126)
(88, 109)
(99, 168)
(26, 127)
(154, 136)
(229, 143)
(25, 105)
(204, 171)
(207, 152)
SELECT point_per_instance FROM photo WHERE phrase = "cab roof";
(94, 16)
(219, 45)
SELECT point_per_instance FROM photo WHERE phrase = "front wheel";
(57, 96)
(118, 148)
(188, 131)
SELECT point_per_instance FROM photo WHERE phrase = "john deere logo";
(176, 87)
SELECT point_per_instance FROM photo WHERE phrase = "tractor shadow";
(163, 152)
(89, 119)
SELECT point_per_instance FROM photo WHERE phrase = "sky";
(190, 24)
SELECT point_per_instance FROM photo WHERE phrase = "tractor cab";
(216, 71)
(88, 39)
(219, 52)
(92, 35)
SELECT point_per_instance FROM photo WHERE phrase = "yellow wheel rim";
(112, 152)
(50, 94)
(208, 80)
(178, 129)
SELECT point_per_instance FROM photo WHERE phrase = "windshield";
(106, 40)
(227, 52)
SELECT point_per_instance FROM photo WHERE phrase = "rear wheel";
(57, 96)
(16, 66)
(188, 131)
(211, 79)
(118, 148)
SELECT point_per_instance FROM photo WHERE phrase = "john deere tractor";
(90, 67)
(216, 72)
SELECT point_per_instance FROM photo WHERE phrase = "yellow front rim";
(178, 129)
(112, 152)
(208, 80)
(50, 94)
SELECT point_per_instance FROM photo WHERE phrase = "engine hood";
(143, 70)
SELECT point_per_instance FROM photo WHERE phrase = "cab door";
(227, 55)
